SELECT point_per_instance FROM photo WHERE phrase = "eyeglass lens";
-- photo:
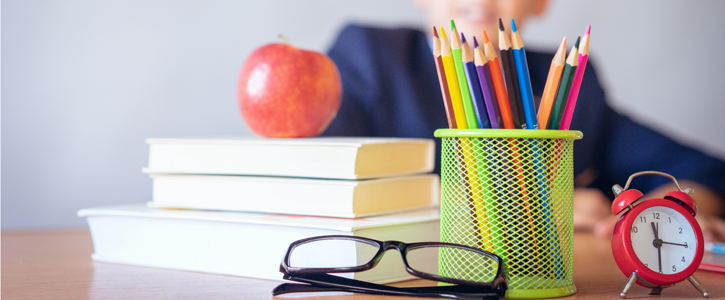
(332, 254)
(453, 263)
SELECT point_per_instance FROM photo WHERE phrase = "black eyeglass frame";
(403, 249)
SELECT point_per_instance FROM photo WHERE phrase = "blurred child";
(390, 88)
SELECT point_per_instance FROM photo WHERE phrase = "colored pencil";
(489, 170)
(509, 72)
(498, 83)
(552, 82)
(562, 93)
(479, 171)
(482, 115)
(522, 73)
(461, 73)
(489, 92)
(576, 84)
(447, 104)
(452, 79)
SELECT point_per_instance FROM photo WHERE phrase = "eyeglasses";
(469, 269)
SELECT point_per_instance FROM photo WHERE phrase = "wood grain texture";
(57, 265)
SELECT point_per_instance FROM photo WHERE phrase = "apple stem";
(285, 39)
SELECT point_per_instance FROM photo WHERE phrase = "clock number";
(656, 216)
(674, 269)
(643, 219)
(685, 245)
(669, 219)
(680, 230)
(634, 229)
(683, 259)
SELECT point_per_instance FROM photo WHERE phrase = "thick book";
(302, 196)
(318, 157)
(242, 244)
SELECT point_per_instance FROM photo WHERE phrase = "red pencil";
(442, 80)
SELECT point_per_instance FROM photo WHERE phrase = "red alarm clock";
(657, 242)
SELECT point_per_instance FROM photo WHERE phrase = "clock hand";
(659, 257)
(684, 245)
(656, 244)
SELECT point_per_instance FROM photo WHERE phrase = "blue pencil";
(473, 85)
(522, 71)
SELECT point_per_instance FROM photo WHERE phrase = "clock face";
(663, 240)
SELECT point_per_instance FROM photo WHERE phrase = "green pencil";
(462, 81)
(562, 94)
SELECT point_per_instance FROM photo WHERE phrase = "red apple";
(288, 92)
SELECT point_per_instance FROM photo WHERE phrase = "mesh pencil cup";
(509, 191)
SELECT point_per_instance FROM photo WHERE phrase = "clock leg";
(630, 282)
(696, 283)
(656, 291)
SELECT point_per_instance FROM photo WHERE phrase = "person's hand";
(713, 228)
(591, 208)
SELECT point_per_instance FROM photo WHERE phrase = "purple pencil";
(489, 92)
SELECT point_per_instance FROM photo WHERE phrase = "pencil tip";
(513, 25)
(577, 42)
(435, 32)
(443, 32)
(485, 37)
(563, 43)
(500, 24)
(589, 28)
(453, 25)
(475, 42)
(463, 38)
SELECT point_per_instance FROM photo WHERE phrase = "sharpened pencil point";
(500, 25)
(443, 33)
(513, 25)
(485, 37)
(453, 25)
(463, 38)
(589, 28)
(577, 42)
(435, 32)
(475, 42)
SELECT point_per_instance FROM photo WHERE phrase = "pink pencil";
(576, 84)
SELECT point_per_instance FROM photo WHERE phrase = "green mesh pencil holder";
(509, 191)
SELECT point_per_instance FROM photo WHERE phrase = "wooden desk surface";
(58, 266)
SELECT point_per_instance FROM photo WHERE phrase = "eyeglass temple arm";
(330, 283)
(287, 288)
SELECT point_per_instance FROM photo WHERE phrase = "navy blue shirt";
(391, 89)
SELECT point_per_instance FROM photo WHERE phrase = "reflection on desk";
(57, 265)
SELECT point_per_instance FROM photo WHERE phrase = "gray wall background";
(85, 82)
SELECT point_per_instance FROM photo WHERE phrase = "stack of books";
(233, 205)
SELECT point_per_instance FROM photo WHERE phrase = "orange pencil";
(443, 81)
(498, 83)
(552, 83)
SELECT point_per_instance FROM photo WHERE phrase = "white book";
(318, 157)
(241, 244)
(302, 196)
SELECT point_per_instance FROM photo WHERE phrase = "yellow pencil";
(452, 78)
